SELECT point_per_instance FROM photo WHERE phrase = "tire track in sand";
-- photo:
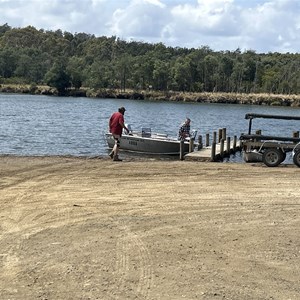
(21, 223)
(133, 264)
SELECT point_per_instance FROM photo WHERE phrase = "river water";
(47, 125)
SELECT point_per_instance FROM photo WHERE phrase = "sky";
(262, 26)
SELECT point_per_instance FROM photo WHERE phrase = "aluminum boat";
(147, 142)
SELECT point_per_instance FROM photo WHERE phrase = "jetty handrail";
(264, 116)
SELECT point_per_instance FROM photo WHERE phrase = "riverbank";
(230, 98)
(81, 228)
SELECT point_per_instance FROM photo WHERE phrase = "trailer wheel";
(296, 158)
(272, 157)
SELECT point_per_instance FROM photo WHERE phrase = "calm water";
(43, 125)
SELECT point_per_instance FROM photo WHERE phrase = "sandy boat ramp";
(78, 228)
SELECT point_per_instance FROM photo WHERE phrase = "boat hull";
(149, 145)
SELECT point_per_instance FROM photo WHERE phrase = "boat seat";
(146, 132)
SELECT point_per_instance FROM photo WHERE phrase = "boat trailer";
(271, 150)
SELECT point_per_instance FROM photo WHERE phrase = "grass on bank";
(231, 98)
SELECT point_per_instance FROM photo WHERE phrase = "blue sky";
(260, 25)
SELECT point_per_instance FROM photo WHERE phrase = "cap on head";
(122, 109)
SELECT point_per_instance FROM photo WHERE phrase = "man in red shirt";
(116, 125)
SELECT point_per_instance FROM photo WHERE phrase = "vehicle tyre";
(272, 157)
(296, 158)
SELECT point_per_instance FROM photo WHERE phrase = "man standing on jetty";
(116, 125)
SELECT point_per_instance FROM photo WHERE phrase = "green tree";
(210, 71)
(58, 77)
(8, 62)
(161, 75)
(75, 69)
(181, 75)
(123, 68)
(99, 75)
(4, 28)
(226, 69)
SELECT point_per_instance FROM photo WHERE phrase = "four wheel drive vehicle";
(271, 150)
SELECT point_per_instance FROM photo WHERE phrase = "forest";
(67, 61)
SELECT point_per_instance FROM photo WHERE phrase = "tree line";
(64, 60)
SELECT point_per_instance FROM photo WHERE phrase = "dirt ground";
(78, 228)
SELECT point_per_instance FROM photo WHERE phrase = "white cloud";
(261, 25)
(140, 20)
(214, 17)
(272, 20)
(156, 2)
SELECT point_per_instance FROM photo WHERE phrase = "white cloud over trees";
(260, 25)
